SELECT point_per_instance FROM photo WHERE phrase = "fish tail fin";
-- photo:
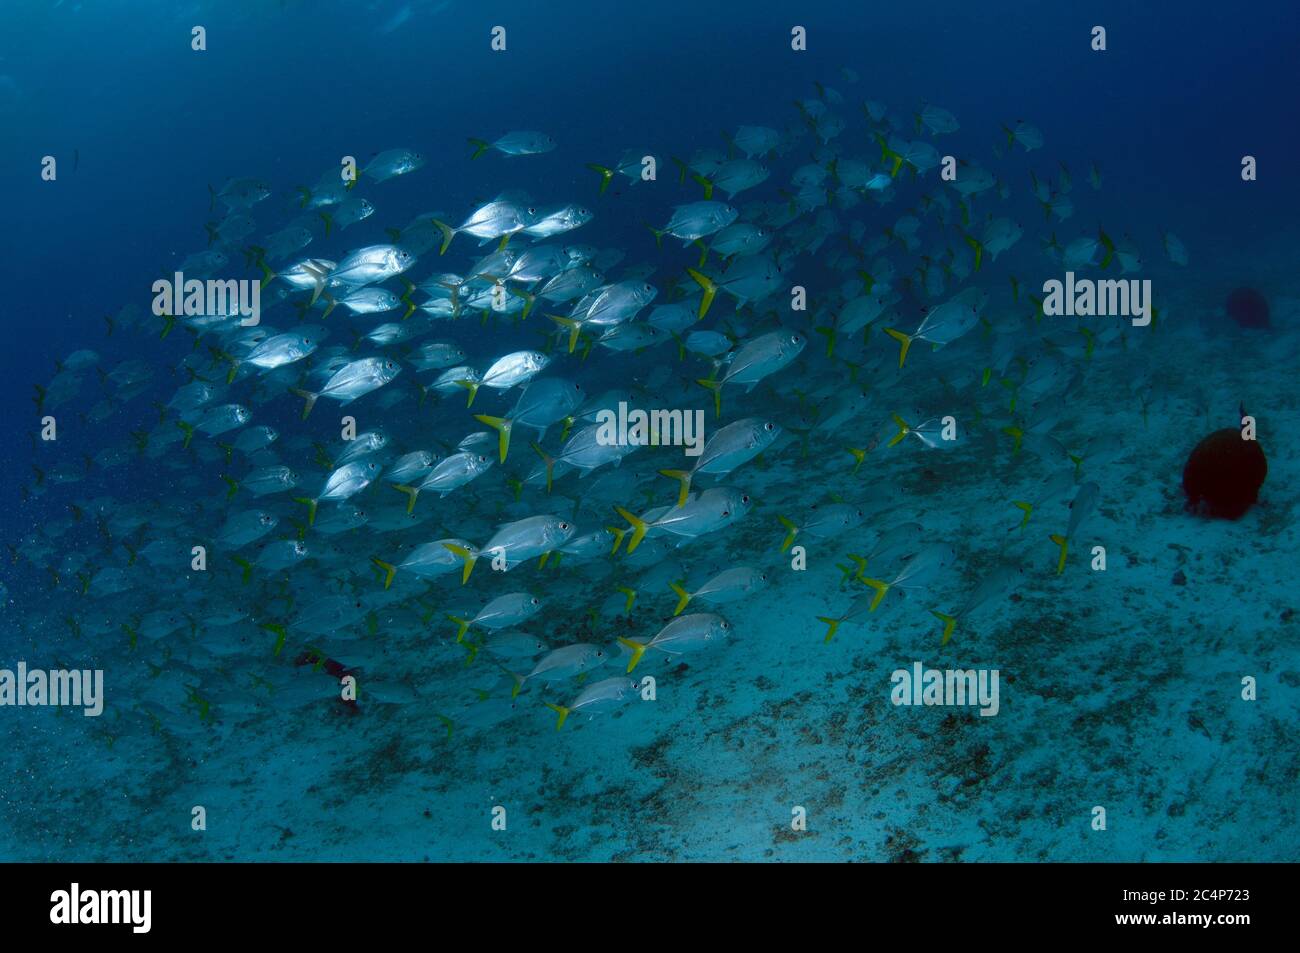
(904, 342)
(859, 454)
(1108, 245)
(468, 558)
(710, 289)
(1028, 509)
(638, 527)
(704, 183)
(311, 508)
(448, 233)
(606, 175)
(472, 387)
(281, 634)
(831, 626)
(1064, 543)
(529, 300)
(792, 532)
(1016, 435)
(704, 252)
(631, 598)
(638, 650)
(829, 334)
(462, 626)
(681, 345)
(549, 461)
(682, 169)
(502, 426)
(684, 478)
(389, 570)
(574, 326)
(559, 710)
(188, 430)
(880, 587)
(949, 623)
(658, 233)
(480, 146)
(903, 430)
(619, 533)
(715, 386)
(978, 248)
(246, 566)
(329, 222)
(412, 492)
(309, 400)
(233, 484)
(518, 681)
(471, 652)
(683, 597)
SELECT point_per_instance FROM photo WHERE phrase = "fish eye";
(768, 426)
(532, 211)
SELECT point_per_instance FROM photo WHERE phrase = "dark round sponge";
(1223, 475)
(1248, 308)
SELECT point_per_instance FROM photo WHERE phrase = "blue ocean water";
(1120, 689)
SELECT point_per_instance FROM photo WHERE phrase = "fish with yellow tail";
(727, 586)
(686, 633)
(1082, 507)
(918, 573)
(944, 324)
(997, 585)
(736, 443)
(599, 698)
(430, 560)
(755, 360)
